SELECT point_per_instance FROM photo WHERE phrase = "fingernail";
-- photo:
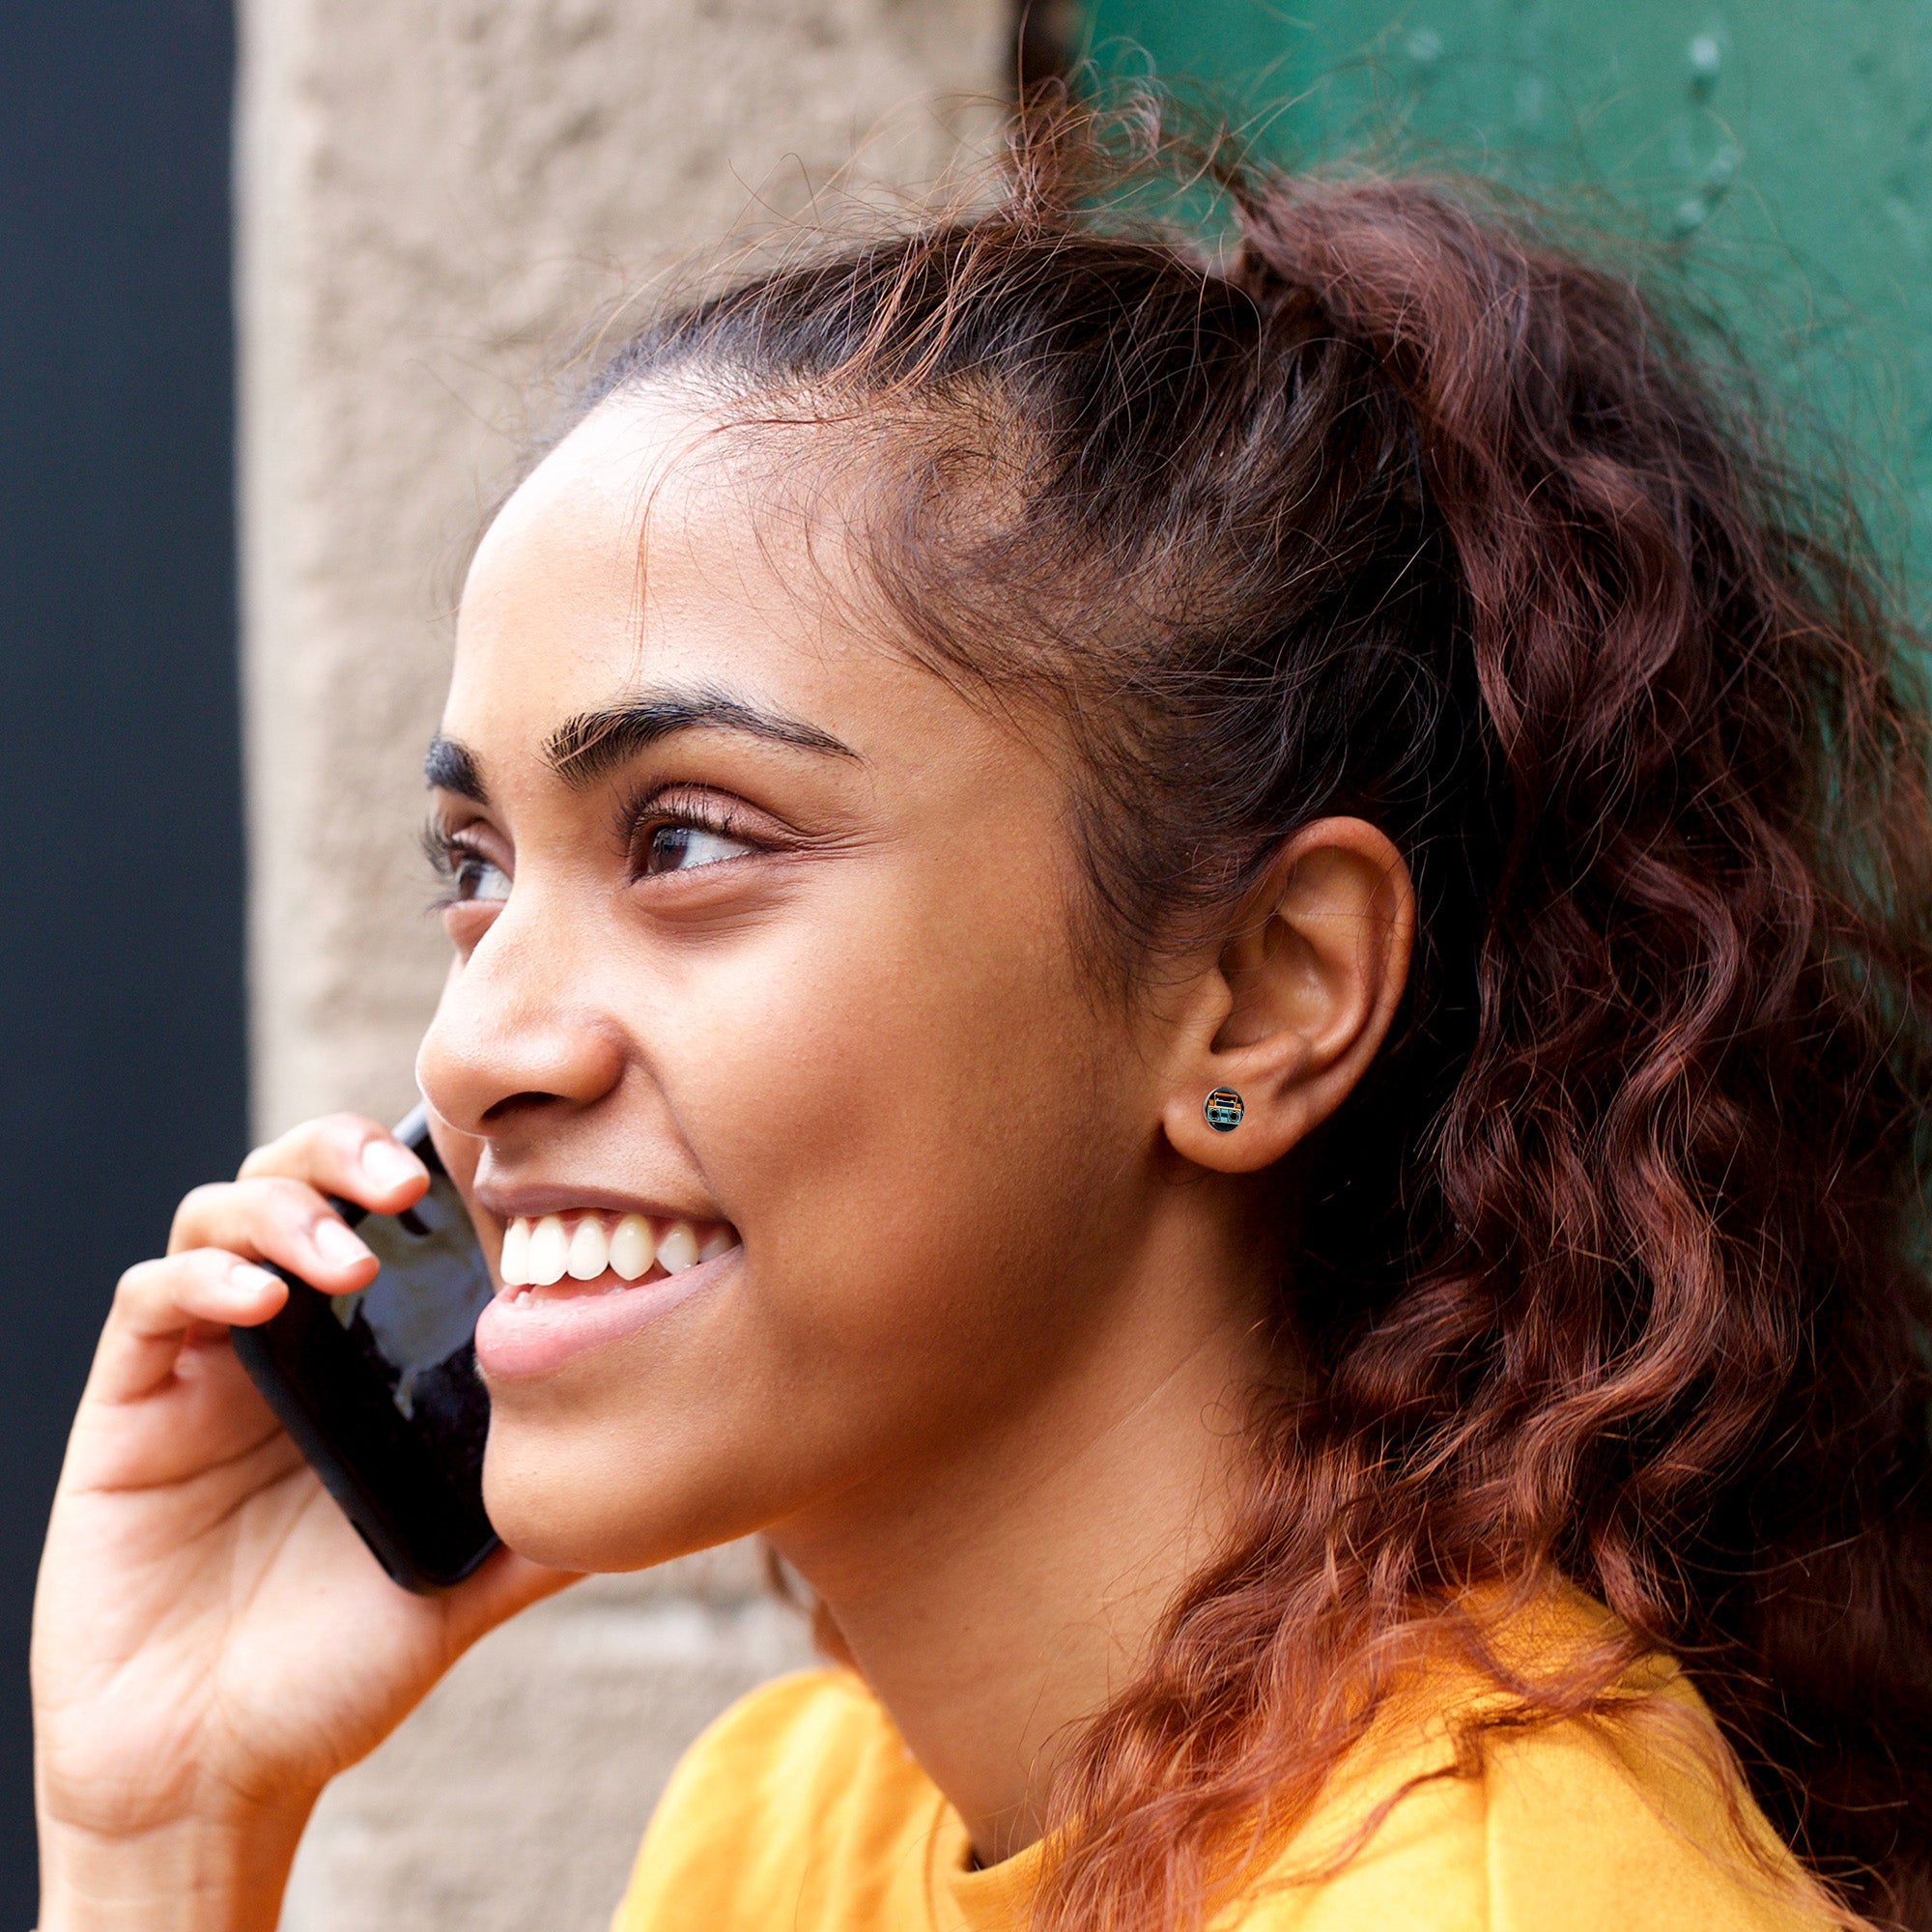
(389, 1165)
(246, 1280)
(336, 1245)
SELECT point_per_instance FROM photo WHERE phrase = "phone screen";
(380, 1389)
(414, 1323)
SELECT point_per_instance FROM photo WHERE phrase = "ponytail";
(1610, 1272)
(1674, 1338)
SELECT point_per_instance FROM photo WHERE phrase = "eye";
(472, 876)
(469, 875)
(684, 847)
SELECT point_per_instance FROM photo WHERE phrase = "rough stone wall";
(513, 1800)
(433, 193)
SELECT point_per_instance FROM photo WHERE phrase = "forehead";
(657, 555)
(652, 541)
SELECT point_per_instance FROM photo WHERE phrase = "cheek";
(926, 1139)
(919, 1118)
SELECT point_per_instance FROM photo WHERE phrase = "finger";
(156, 1303)
(345, 1154)
(286, 1222)
(208, 1417)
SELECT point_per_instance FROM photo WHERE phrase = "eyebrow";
(583, 747)
(449, 766)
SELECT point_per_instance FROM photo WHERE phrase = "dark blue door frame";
(121, 1077)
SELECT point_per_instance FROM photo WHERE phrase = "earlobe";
(1295, 1002)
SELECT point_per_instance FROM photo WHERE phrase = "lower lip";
(531, 1338)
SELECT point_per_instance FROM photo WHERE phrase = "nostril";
(518, 1105)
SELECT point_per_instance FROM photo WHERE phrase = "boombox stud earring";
(1223, 1110)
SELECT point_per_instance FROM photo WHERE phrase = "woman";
(1253, 939)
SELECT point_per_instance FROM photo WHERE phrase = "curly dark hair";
(1612, 1269)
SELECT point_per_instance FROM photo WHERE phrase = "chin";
(558, 1512)
(571, 1508)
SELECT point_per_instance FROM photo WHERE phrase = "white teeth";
(589, 1249)
(550, 1251)
(539, 1253)
(632, 1249)
(515, 1265)
(678, 1249)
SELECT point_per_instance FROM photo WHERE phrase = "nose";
(516, 1033)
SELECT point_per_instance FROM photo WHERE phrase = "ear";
(1294, 1005)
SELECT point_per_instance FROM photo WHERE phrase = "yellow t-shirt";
(801, 1810)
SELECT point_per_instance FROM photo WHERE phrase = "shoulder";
(769, 1804)
(1583, 1825)
(797, 1731)
(1643, 1823)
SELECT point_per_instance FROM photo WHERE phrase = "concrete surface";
(436, 195)
(514, 1799)
(433, 196)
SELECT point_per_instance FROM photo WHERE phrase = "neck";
(998, 1603)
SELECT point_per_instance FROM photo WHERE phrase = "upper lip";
(532, 1199)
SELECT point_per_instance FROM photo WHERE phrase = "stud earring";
(1223, 1110)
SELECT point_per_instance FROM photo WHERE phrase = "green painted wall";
(1780, 150)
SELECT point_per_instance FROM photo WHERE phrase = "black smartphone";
(380, 1389)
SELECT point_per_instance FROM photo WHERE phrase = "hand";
(211, 1640)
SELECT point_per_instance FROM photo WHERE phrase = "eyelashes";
(666, 830)
(670, 830)
(439, 849)
(466, 872)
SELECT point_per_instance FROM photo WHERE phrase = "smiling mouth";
(554, 1257)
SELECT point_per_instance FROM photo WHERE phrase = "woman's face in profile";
(761, 927)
